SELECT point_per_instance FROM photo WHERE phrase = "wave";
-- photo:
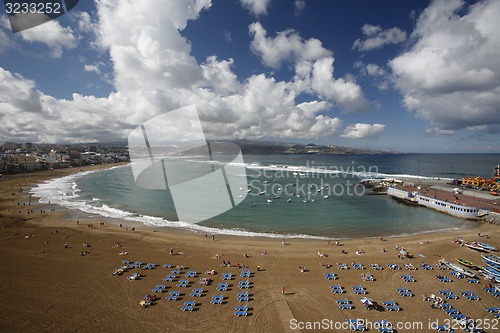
(63, 191)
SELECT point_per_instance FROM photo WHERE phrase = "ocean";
(348, 211)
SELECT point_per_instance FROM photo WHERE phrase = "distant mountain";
(271, 147)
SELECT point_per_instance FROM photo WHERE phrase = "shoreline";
(53, 288)
(201, 229)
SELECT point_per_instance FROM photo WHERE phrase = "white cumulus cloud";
(375, 37)
(288, 45)
(300, 6)
(450, 76)
(363, 131)
(53, 35)
(256, 7)
(154, 72)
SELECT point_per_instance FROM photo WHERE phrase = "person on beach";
(283, 290)
(171, 251)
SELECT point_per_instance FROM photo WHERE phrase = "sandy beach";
(47, 286)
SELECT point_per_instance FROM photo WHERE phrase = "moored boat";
(467, 263)
(492, 272)
(458, 268)
(486, 246)
(492, 261)
(475, 246)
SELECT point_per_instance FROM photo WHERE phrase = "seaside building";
(26, 161)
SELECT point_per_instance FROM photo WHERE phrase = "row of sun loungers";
(367, 277)
(244, 284)
(391, 306)
(495, 311)
(188, 306)
(357, 265)
(443, 278)
(405, 292)
(344, 304)
(241, 310)
(183, 283)
(407, 278)
(358, 290)
(492, 291)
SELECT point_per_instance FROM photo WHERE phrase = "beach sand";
(47, 287)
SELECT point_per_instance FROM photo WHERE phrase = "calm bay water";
(345, 213)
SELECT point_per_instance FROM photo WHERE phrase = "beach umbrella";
(366, 301)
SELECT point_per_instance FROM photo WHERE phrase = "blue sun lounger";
(188, 306)
(342, 266)
(443, 278)
(190, 274)
(330, 276)
(244, 284)
(241, 313)
(358, 290)
(241, 308)
(226, 276)
(222, 287)
(336, 289)
(182, 283)
(407, 278)
(426, 266)
(393, 267)
(405, 292)
(345, 306)
(217, 299)
(357, 265)
(172, 296)
(356, 324)
(451, 311)
(376, 267)
(197, 292)
(494, 309)
(245, 274)
(383, 325)
(392, 307)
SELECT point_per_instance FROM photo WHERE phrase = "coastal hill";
(271, 147)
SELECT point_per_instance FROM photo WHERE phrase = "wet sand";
(47, 287)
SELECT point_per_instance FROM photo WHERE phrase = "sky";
(408, 76)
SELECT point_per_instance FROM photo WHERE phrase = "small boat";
(474, 246)
(252, 205)
(325, 197)
(262, 192)
(277, 197)
(289, 200)
(269, 201)
(492, 261)
(458, 268)
(490, 276)
(486, 246)
(492, 272)
(249, 190)
(466, 263)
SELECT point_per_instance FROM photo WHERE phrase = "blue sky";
(411, 76)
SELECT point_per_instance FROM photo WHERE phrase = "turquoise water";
(347, 212)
